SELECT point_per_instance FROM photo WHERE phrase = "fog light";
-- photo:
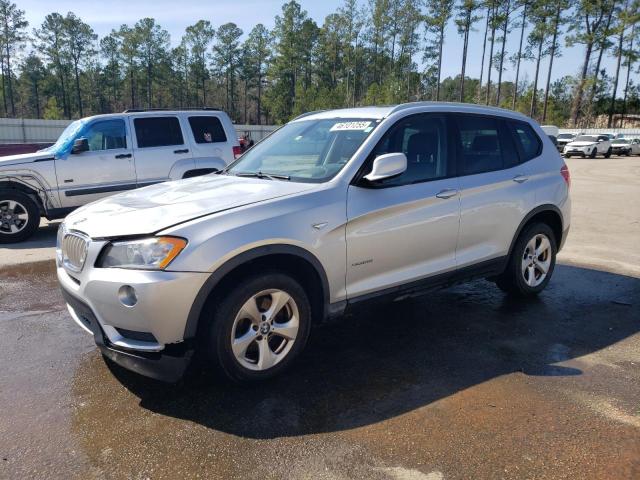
(127, 296)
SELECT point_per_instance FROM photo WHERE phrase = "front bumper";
(168, 365)
(148, 336)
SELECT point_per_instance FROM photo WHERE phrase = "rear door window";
(207, 129)
(158, 132)
(480, 144)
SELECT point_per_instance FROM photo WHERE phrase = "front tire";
(532, 261)
(259, 327)
(19, 216)
(593, 153)
(608, 154)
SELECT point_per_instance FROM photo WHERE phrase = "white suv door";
(107, 168)
(160, 146)
(495, 191)
(405, 228)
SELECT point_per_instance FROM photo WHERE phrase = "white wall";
(29, 130)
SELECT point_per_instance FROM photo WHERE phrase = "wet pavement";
(462, 383)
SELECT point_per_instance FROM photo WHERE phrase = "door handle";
(124, 155)
(447, 193)
(184, 150)
(520, 178)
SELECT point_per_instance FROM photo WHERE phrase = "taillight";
(564, 171)
(237, 151)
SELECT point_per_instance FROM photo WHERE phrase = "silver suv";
(332, 210)
(98, 156)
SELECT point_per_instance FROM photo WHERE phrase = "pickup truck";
(101, 155)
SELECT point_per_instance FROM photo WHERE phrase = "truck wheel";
(531, 263)
(19, 216)
(259, 327)
(608, 154)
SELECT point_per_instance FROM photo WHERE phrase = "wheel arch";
(6, 184)
(549, 214)
(296, 261)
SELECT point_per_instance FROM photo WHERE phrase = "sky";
(175, 16)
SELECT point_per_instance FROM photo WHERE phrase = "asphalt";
(463, 383)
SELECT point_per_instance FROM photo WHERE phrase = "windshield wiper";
(270, 176)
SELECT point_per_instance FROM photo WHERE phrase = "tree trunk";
(504, 41)
(493, 39)
(532, 110)
(78, 94)
(37, 95)
(441, 41)
(11, 102)
(596, 72)
(149, 84)
(484, 49)
(4, 96)
(464, 53)
(552, 56)
(615, 81)
(515, 84)
(259, 103)
(626, 83)
(577, 102)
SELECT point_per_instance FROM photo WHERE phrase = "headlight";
(154, 253)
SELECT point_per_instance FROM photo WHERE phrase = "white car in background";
(105, 154)
(626, 146)
(589, 146)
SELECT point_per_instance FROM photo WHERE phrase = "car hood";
(10, 160)
(580, 144)
(152, 209)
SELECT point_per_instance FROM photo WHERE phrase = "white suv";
(334, 209)
(589, 146)
(98, 156)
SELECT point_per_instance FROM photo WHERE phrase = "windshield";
(620, 140)
(65, 139)
(565, 135)
(586, 138)
(306, 151)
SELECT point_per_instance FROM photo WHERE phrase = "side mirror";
(80, 145)
(387, 166)
(599, 140)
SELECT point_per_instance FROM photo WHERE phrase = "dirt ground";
(463, 383)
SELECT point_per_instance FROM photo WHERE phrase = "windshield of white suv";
(65, 139)
(586, 138)
(621, 140)
(305, 151)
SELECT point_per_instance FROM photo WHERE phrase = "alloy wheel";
(265, 329)
(14, 217)
(536, 260)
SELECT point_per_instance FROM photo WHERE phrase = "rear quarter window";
(207, 129)
(526, 139)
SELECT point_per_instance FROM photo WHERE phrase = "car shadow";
(390, 360)
(44, 237)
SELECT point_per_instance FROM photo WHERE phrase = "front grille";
(74, 251)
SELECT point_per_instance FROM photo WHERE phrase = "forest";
(365, 53)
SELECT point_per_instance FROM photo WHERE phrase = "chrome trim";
(74, 251)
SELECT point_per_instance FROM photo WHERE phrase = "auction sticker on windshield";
(349, 126)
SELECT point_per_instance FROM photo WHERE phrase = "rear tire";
(259, 327)
(19, 216)
(531, 263)
(608, 154)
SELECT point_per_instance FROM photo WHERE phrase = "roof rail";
(137, 110)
